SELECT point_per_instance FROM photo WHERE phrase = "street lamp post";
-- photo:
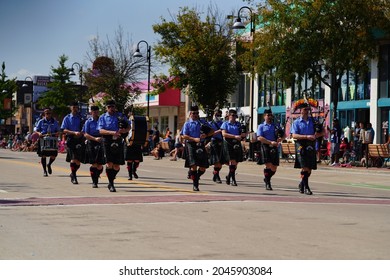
(72, 73)
(31, 113)
(239, 25)
(148, 54)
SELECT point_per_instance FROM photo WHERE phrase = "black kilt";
(232, 150)
(75, 149)
(133, 152)
(94, 153)
(196, 154)
(305, 155)
(113, 150)
(268, 155)
(216, 152)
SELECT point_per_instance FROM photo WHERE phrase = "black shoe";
(111, 188)
(130, 177)
(234, 183)
(49, 169)
(73, 179)
(301, 188)
(218, 180)
(227, 180)
(267, 185)
(195, 188)
(44, 174)
(135, 175)
(94, 185)
(308, 191)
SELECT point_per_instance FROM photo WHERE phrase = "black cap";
(74, 103)
(110, 103)
(304, 105)
(335, 120)
(218, 111)
(232, 112)
(194, 108)
(94, 108)
(267, 111)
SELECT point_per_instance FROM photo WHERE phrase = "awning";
(275, 109)
(350, 105)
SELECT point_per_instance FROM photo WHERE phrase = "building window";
(164, 122)
(271, 91)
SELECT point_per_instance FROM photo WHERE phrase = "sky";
(35, 33)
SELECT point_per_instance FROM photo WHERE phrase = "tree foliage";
(200, 56)
(299, 36)
(114, 69)
(61, 91)
(7, 88)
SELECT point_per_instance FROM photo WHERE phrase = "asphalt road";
(158, 216)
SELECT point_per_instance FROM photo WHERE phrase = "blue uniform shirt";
(232, 128)
(90, 127)
(300, 126)
(45, 126)
(71, 122)
(108, 122)
(267, 131)
(216, 126)
(192, 128)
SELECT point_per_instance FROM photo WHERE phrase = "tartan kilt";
(76, 149)
(196, 155)
(305, 155)
(232, 150)
(113, 150)
(268, 155)
(216, 152)
(133, 152)
(45, 153)
(94, 153)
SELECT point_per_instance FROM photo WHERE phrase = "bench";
(378, 155)
(288, 151)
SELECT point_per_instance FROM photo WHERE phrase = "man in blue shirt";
(216, 145)
(196, 155)
(111, 126)
(266, 134)
(94, 146)
(233, 135)
(47, 127)
(72, 125)
(303, 131)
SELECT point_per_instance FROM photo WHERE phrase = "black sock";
(43, 163)
(51, 160)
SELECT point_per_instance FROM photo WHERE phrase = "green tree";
(114, 70)
(200, 56)
(61, 91)
(7, 88)
(304, 36)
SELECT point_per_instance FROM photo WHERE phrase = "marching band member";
(94, 146)
(111, 126)
(196, 155)
(232, 134)
(133, 156)
(216, 145)
(303, 130)
(47, 126)
(267, 135)
(75, 142)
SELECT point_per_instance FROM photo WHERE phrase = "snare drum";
(49, 144)
(139, 133)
